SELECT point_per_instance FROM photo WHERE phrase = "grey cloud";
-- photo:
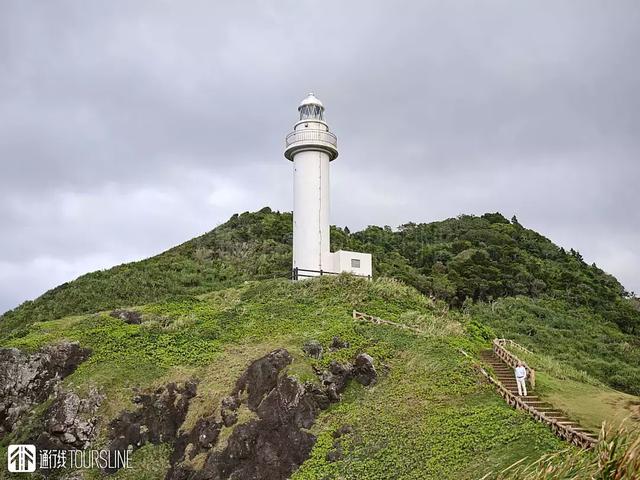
(128, 127)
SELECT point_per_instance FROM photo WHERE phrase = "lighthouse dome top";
(311, 108)
(310, 100)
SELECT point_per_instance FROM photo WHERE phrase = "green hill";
(511, 278)
(175, 377)
(427, 417)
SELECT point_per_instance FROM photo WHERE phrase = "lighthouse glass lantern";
(311, 147)
(312, 110)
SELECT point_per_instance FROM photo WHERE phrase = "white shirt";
(521, 372)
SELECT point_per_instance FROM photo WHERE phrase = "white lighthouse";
(311, 147)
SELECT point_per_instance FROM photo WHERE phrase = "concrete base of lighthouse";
(342, 261)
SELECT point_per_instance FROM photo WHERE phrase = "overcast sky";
(127, 127)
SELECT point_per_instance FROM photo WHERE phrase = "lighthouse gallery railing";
(303, 136)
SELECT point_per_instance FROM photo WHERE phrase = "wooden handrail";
(510, 359)
(517, 345)
(565, 432)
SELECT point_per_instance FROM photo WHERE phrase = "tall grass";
(616, 456)
(555, 368)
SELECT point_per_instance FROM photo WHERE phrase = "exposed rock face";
(270, 446)
(70, 421)
(335, 379)
(272, 443)
(157, 420)
(128, 316)
(229, 410)
(26, 380)
(337, 376)
(261, 377)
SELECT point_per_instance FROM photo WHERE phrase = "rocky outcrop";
(337, 375)
(265, 421)
(70, 421)
(157, 420)
(276, 441)
(26, 380)
(314, 349)
(128, 316)
(261, 377)
(269, 446)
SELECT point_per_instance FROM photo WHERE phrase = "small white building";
(312, 147)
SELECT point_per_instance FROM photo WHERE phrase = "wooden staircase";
(560, 423)
(502, 362)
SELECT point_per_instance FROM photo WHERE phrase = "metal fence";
(298, 273)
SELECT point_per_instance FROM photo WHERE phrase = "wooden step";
(504, 374)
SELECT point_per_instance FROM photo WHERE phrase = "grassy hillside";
(429, 416)
(249, 246)
(509, 277)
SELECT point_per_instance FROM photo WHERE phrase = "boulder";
(70, 421)
(313, 349)
(128, 316)
(364, 371)
(337, 343)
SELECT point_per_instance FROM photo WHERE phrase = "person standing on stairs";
(521, 376)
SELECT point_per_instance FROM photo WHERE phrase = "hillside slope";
(510, 277)
(428, 415)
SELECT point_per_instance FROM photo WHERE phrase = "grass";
(615, 457)
(588, 404)
(579, 339)
(582, 397)
(430, 416)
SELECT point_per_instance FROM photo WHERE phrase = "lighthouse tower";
(311, 147)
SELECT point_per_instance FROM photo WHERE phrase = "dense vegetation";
(506, 275)
(577, 336)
